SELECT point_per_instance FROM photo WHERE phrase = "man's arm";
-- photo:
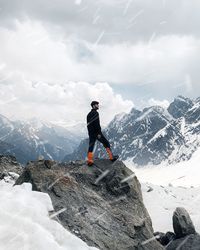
(97, 123)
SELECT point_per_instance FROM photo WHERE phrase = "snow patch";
(25, 222)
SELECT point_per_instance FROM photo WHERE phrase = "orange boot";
(109, 153)
(90, 159)
(111, 156)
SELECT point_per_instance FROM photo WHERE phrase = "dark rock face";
(189, 242)
(180, 106)
(182, 223)
(104, 205)
(9, 164)
(164, 239)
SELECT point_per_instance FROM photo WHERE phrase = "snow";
(163, 175)
(26, 225)
(173, 186)
(160, 133)
(140, 118)
(162, 202)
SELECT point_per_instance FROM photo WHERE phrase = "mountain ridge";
(153, 135)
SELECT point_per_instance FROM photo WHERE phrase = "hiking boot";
(115, 157)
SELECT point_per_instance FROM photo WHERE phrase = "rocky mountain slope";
(27, 140)
(153, 135)
(102, 205)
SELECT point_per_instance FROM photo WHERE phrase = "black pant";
(102, 139)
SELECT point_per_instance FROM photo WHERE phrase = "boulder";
(182, 223)
(185, 237)
(102, 204)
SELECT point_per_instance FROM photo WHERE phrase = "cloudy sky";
(57, 56)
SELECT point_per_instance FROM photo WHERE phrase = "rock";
(9, 165)
(186, 237)
(164, 239)
(150, 189)
(182, 223)
(189, 242)
(96, 203)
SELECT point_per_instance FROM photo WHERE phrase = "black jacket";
(93, 123)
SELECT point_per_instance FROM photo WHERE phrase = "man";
(94, 132)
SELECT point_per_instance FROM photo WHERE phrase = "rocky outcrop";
(182, 223)
(101, 204)
(184, 237)
(9, 167)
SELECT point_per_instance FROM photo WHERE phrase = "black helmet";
(93, 103)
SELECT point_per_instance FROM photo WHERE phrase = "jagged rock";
(8, 163)
(150, 189)
(182, 223)
(185, 237)
(102, 208)
(189, 242)
(180, 106)
(163, 238)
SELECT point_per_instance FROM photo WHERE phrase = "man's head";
(95, 104)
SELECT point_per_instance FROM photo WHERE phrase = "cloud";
(66, 103)
(118, 18)
(162, 103)
(166, 64)
(148, 47)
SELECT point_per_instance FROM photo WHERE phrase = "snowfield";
(173, 186)
(25, 223)
(184, 173)
(162, 201)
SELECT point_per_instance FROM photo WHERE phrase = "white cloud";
(161, 63)
(162, 103)
(66, 103)
(48, 75)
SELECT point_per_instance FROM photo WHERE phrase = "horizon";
(152, 103)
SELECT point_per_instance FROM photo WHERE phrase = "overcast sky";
(57, 56)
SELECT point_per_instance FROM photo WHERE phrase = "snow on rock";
(26, 225)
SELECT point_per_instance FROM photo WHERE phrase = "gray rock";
(182, 223)
(8, 163)
(189, 242)
(164, 238)
(102, 208)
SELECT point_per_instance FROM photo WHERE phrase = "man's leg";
(92, 140)
(106, 144)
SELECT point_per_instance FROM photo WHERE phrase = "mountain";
(153, 135)
(27, 140)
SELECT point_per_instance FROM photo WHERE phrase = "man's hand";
(99, 136)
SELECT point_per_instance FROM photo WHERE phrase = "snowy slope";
(173, 186)
(185, 173)
(162, 201)
(26, 225)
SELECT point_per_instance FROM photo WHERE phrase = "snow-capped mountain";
(27, 140)
(152, 135)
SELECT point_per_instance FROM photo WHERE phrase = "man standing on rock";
(94, 132)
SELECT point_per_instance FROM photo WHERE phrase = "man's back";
(93, 123)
